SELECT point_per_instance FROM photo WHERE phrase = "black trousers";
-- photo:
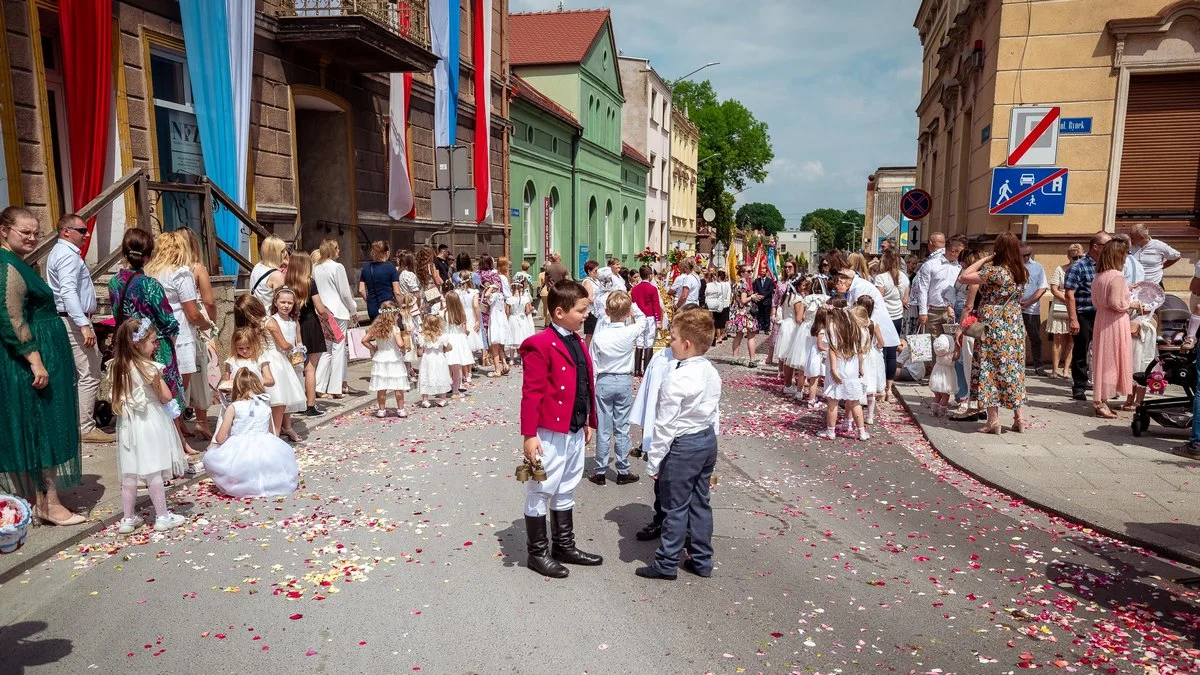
(1079, 357)
(1033, 331)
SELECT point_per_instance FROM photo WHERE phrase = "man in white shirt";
(1154, 255)
(618, 280)
(686, 288)
(612, 351)
(933, 287)
(936, 245)
(75, 300)
(1031, 308)
(1133, 270)
(684, 451)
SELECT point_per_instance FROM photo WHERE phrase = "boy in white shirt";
(612, 353)
(683, 451)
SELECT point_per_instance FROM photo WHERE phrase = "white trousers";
(333, 367)
(646, 339)
(87, 370)
(563, 457)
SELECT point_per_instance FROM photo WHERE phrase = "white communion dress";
(147, 442)
(389, 371)
(252, 462)
(434, 377)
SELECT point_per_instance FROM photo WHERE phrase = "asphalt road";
(404, 551)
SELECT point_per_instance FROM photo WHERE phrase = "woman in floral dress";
(1001, 350)
(743, 320)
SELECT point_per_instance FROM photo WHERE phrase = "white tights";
(158, 494)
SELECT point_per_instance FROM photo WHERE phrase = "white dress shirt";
(1152, 256)
(688, 403)
(934, 284)
(1036, 282)
(334, 288)
(68, 277)
(613, 343)
(1133, 271)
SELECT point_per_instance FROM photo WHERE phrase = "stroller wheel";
(1144, 418)
(1136, 426)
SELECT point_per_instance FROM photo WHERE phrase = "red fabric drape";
(408, 142)
(483, 95)
(86, 30)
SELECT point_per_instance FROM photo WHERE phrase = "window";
(529, 134)
(177, 136)
(609, 233)
(56, 106)
(531, 220)
(554, 239)
(653, 105)
(653, 162)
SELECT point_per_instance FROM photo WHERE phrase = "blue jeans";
(614, 398)
(963, 386)
(1195, 439)
(683, 486)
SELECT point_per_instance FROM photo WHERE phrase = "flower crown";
(143, 330)
(390, 310)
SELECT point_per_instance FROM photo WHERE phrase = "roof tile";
(548, 38)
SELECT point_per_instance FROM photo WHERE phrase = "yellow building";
(685, 144)
(1131, 66)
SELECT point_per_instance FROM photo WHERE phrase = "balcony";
(368, 36)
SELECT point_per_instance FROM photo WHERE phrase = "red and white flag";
(400, 191)
(483, 111)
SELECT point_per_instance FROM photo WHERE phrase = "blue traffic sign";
(1028, 191)
(1075, 125)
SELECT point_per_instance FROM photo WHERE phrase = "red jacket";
(645, 296)
(548, 390)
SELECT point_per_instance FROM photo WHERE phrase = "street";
(404, 549)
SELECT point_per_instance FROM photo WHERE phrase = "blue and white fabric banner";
(241, 68)
(443, 28)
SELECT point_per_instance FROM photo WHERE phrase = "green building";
(567, 142)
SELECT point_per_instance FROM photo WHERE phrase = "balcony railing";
(403, 18)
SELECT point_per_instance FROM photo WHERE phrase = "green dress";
(38, 429)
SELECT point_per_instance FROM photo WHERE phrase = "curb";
(1161, 546)
(92, 527)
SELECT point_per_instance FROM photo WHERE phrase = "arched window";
(593, 214)
(609, 230)
(554, 236)
(531, 221)
(627, 232)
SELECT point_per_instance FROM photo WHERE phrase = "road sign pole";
(1024, 228)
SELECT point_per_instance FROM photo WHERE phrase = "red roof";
(547, 38)
(527, 92)
(629, 151)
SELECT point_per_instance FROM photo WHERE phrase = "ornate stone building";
(685, 145)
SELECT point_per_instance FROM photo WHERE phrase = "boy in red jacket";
(558, 413)
(645, 296)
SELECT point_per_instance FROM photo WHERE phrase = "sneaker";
(312, 411)
(827, 434)
(194, 468)
(381, 413)
(789, 391)
(130, 525)
(863, 435)
(1189, 450)
(98, 436)
(752, 364)
(168, 521)
(402, 413)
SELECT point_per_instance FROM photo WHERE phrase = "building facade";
(883, 219)
(646, 126)
(800, 246)
(1130, 68)
(685, 144)
(318, 115)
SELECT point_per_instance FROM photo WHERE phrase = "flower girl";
(520, 318)
(287, 393)
(497, 329)
(148, 446)
(249, 460)
(389, 372)
(943, 381)
(434, 379)
(459, 357)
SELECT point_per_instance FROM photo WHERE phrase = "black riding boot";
(637, 362)
(562, 526)
(539, 549)
(647, 354)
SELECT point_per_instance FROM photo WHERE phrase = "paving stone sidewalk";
(1085, 468)
(99, 496)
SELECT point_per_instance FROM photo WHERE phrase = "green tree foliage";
(839, 229)
(760, 216)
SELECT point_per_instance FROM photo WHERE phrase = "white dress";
(389, 372)
(147, 442)
(255, 366)
(288, 390)
(814, 363)
(851, 386)
(1145, 343)
(798, 352)
(434, 378)
(520, 324)
(874, 376)
(460, 352)
(497, 320)
(180, 287)
(252, 462)
(943, 379)
(787, 326)
(474, 339)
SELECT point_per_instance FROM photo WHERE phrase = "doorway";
(325, 171)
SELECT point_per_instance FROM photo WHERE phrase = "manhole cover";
(743, 524)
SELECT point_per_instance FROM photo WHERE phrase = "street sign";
(916, 204)
(1075, 125)
(583, 258)
(1028, 191)
(515, 212)
(1033, 136)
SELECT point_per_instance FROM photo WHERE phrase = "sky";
(836, 81)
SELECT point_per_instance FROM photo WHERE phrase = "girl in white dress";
(873, 378)
(287, 394)
(787, 333)
(515, 309)
(249, 352)
(1145, 348)
(943, 381)
(470, 302)
(817, 348)
(459, 357)
(434, 379)
(249, 460)
(843, 381)
(287, 318)
(148, 445)
(807, 305)
(520, 321)
(497, 329)
(389, 372)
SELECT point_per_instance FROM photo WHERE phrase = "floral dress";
(742, 318)
(1001, 352)
(136, 296)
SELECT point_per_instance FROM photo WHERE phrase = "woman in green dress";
(38, 453)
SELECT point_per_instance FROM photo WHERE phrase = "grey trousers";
(683, 490)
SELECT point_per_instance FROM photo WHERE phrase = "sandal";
(1102, 410)
(202, 433)
(494, 375)
(425, 404)
(291, 435)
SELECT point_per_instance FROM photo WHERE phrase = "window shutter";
(1160, 160)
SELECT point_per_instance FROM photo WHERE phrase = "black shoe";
(1039, 371)
(538, 547)
(649, 572)
(627, 478)
(649, 532)
(312, 411)
(1079, 395)
(1188, 450)
(690, 566)
(562, 527)
(598, 479)
(636, 452)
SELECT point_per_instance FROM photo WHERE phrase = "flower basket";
(14, 522)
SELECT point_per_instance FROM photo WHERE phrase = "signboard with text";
(546, 229)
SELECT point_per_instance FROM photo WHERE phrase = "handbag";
(358, 351)
(331, 330)
(976, 330)
(921, 346)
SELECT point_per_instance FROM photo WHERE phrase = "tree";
(759, 216)
(824, 232)
(845, 227)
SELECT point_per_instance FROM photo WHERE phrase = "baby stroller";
(1178, 368)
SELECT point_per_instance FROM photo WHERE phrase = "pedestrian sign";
(1028, 191)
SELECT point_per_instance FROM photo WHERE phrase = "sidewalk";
(1085, 468)
(99, 496)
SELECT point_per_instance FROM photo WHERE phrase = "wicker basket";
(13, 535)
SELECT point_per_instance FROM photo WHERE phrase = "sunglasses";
(1026, 255)
(80, 230)
(1076, 257)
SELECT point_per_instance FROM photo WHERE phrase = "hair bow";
(143, 330)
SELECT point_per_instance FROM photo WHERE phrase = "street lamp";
(857, 234)
(707, 65)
